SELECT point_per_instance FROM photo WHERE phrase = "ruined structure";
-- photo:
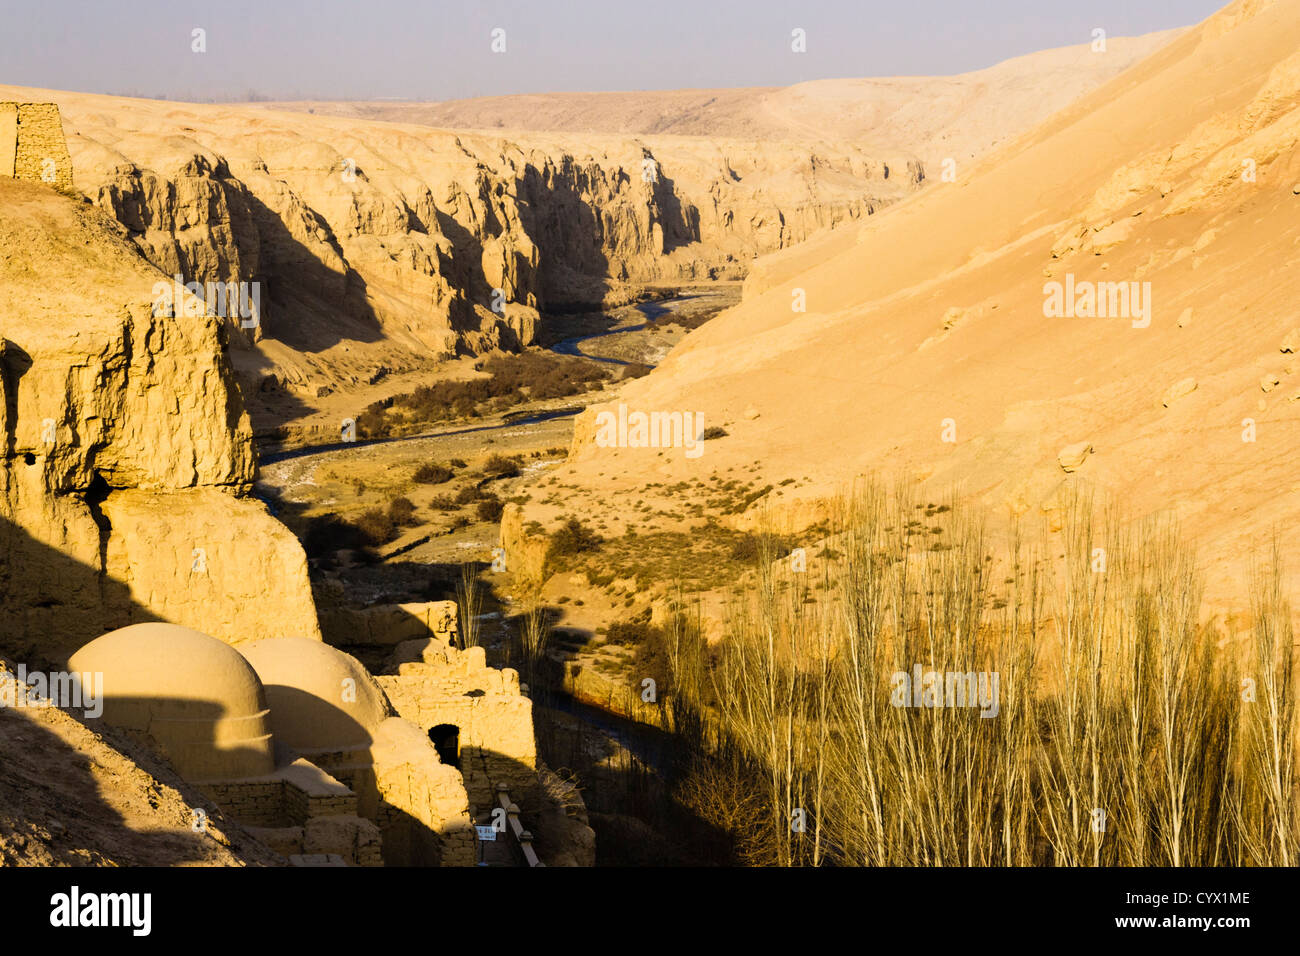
(32, 146)
(478, 715)
(295, 741)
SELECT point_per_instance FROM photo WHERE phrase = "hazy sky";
(440, 49)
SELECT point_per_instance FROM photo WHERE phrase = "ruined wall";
(32, 145)
(495, 720)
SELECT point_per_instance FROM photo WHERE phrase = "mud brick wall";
(301, 806)
(494, 719)
(32, 133)
(259, 804)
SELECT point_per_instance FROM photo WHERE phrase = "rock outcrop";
(127, 458)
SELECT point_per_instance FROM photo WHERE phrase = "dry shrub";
(432, 474)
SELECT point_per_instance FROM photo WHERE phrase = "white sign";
(487, 833)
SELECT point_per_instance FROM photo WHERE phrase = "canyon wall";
(378, 248)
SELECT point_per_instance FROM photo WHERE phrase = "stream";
(653, 311)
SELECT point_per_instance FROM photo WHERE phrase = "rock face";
(127, 458)
(1180, 389)
(375, 245)
(1072, 457)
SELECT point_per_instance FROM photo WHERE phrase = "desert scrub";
(509, 380)
(432, 474)
(751, 548)
(325, 534)
(489, 509)
(499, 466)
(571, 539)
(377, 526)
(469, 494)
(401, 511)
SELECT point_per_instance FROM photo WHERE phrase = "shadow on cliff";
(630, 773)
(51, 787)
(573, 232)
(680, 223)
(306, 306)
(50, 603)
(312, 306)
(627, 772)
(50, 791)
(14, 364)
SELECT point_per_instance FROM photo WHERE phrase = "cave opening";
(446, 740)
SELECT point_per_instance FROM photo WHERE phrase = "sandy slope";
(935, 310)
(932, 118)
(72, 797)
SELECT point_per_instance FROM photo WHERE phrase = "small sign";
(487, 833)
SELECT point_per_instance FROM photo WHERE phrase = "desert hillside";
(928, 117)
(930, 348)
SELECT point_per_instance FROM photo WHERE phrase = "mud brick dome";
(321, 699)
(194, 694)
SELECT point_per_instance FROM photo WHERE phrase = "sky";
(442, 49)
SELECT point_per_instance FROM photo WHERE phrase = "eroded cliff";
(379, 248)
(127, 456)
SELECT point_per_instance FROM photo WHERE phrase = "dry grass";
(469, 605)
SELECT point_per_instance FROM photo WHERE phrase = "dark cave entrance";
(446, 740)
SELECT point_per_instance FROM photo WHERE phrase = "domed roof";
(194, 694)
(321, 699)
